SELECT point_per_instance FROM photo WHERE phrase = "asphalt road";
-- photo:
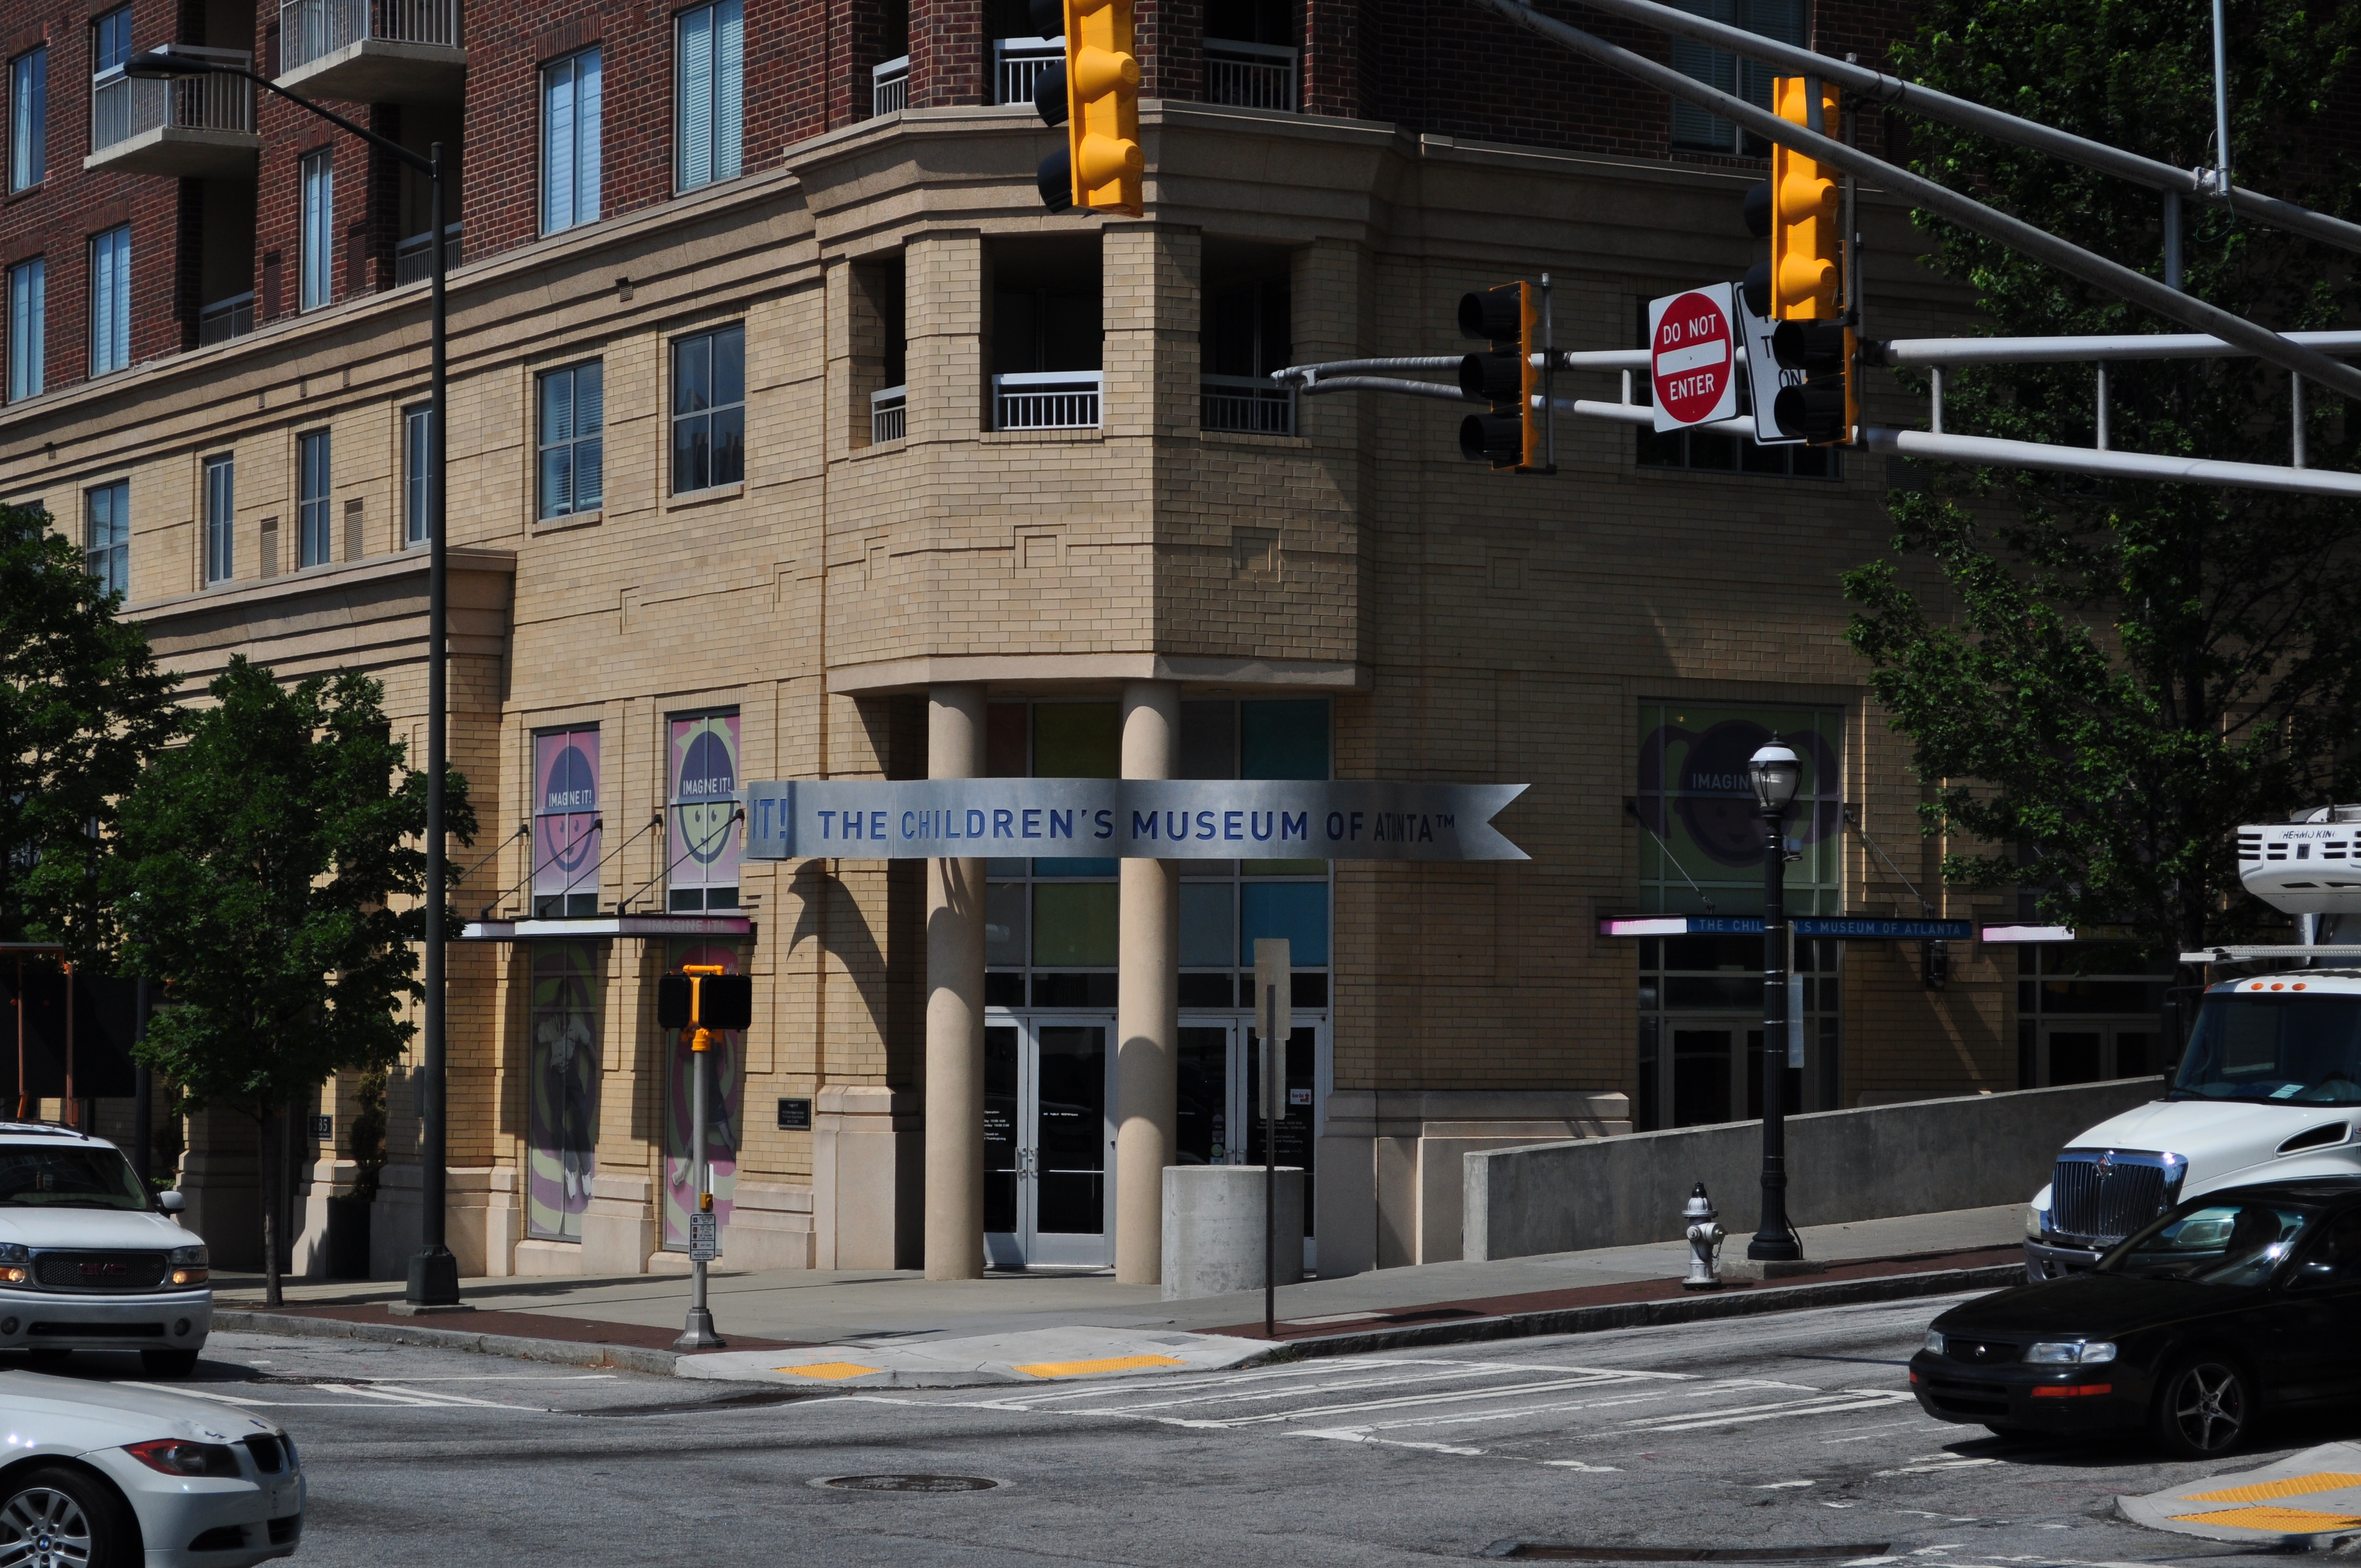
(1793, 1431)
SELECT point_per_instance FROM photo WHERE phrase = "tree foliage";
(258, 874)
(83, 707)
(2114, 675)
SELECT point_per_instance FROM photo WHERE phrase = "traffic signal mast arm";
(1969, 214)
(1913, 98)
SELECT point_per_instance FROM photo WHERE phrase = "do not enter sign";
(1692, 364)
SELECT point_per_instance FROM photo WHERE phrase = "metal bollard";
(1705, 1240)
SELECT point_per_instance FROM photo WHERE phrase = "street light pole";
(434, 1272)
(1776, 771)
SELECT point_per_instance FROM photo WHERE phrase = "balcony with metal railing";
(889, 87)
(372, 51)
(1017, 65)
(226, 319)
(1250, 76)
(1046, 399)
(199, 128)
(1249, 405)
(413, 259)
(889, 415)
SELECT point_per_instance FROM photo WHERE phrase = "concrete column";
(1148, 1003)
(955, 1008)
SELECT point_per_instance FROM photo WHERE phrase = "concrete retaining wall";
(1868, 1164)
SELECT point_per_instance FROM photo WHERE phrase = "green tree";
(83, 707)
(2116, 675)
(258, 867)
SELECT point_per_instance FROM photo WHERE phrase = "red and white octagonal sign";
(1692, 358)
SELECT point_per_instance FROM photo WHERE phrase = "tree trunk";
(267, 1174)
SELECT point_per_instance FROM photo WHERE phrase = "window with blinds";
(708, 87)
(1788, 21)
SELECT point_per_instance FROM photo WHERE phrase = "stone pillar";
(1147, 1002)
(954, 1244)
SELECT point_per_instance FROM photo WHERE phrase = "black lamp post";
(1776, 771)
(434, 1272)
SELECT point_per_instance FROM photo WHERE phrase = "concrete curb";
(1462, 1331)
(559, 1352)
(1688, 1308)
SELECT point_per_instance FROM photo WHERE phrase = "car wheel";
(46, 1360)
(2203, 1408)
(169, 1363)
(55, 1518)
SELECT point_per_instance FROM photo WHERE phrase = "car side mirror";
(172, 1200)
(2308, 1274)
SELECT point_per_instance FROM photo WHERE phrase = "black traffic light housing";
(1757, 285)
(1516, 434)
(1821, 411)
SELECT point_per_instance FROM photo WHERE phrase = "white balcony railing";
(889, 415)
(1017, 64)
(889, 87)
(1046, 399)
(226, 319)
(121, 108)
(309, 29)
(413, 259)
(1248, 403)
(1250, 76)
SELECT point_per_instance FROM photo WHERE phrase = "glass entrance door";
(1220, 1122)
(2089, 1050)
(1046, 1138)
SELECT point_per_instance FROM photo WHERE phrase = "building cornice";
(1034, 670)
(283, 596)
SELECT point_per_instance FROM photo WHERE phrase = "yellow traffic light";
(1095, 95)
(1807, 236)
(1510, 379)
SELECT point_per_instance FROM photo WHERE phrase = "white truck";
(2269, 1087)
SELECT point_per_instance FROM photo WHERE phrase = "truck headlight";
(15, 1263)
(189, 1265)
(2071, 1353)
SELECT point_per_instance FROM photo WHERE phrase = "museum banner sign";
(1159, 819)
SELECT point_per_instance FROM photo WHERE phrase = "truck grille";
(98, 1270)
(2103, 1195)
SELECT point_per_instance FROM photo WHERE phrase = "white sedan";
(102, 1475)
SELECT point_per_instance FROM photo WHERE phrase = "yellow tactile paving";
(828, 1369)
(2279, 1521)
(2291, 1487)
(1112, 1364)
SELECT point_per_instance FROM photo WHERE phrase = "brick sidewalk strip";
(527, 1336)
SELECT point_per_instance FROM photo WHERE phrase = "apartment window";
(709, 410)
(312, 504)
(709, 91)
(573, 415)
(110, 301)
(28, 118)
(569, 142)
(701, 765)
(28, 328)
(319, 231)
(417, 493)
(220, 516)
(106, 545)
(110, 40)
(1785, 20)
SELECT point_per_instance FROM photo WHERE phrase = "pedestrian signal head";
(672, 1001)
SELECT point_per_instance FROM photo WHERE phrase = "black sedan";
(2242, 1302)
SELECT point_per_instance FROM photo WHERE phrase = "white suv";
(87, 1262)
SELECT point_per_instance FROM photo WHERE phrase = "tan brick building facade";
(1326, 581)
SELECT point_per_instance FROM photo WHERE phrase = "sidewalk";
(632, 1321)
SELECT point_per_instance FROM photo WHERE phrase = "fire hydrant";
(1705, 1240)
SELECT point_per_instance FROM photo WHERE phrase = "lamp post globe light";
(433, 1271)
(1776, 772)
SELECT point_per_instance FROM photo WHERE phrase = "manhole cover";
(910, 1483)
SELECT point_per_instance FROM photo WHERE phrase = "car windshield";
(2213, 1244)
(70, 1178)
(2303, 1050)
